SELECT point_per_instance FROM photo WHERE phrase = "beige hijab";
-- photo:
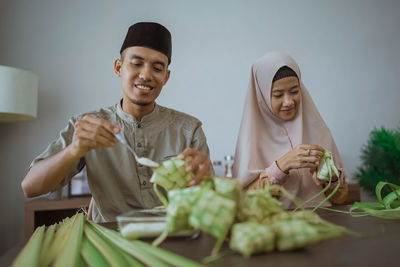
(264, 138)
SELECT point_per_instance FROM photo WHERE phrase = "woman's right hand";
(91, 132)
(302, 156)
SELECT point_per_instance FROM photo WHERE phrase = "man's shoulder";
(104, 113)
(180, 116)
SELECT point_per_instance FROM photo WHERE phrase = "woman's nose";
(287, 100)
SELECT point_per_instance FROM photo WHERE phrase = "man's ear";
(167, 76)
(117, 67)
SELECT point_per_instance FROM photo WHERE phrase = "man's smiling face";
(143, 72)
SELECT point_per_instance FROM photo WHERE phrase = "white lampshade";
(18, 94)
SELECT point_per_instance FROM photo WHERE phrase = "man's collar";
(131, 119)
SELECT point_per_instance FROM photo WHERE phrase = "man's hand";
(302, 156)
(91, 132)
(198, 163)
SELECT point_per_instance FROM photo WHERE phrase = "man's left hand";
(198, 163)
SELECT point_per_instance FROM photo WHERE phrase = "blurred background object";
(18, 94)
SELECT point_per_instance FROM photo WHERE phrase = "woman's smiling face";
(286, 97)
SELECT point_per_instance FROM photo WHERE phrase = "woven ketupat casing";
(326, 166)
(179, 208)
(213, 214)
(294, 234)
(260, 204)
(171, 174)
(227, 187)
(250, 237)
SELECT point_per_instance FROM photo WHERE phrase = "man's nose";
(145, 73)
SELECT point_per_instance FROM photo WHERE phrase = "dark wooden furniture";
(47, 212)
(354, 194)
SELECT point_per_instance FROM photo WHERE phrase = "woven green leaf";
(294, 234)
(227, 187)
(250, 238)
(171, 174)
(214, 214)
(258, 204)
(180, 207)
(326, 166)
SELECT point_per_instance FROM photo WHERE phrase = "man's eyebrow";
(136, 57)
(142, 58)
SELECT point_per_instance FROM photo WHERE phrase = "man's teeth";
(143, 87)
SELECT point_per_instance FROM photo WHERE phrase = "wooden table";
(379, 247)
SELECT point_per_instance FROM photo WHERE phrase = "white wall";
(348, 52)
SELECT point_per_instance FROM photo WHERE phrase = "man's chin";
(141, 103)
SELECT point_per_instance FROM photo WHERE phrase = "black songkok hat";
(151, 35)
(284, 72)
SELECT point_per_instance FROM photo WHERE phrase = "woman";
(282, 135)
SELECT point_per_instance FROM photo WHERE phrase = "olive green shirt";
(117, 182)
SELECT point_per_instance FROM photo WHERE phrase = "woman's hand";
(302, 156)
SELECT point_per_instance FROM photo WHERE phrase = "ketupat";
(324, 173)
(180, 206)
(258, 204)
(286, 230)
(229, 188)
(215, 219)
(189, 208)
(294, 234)
(282, 231)
(326, 166)
(249, 238)
(171, 174)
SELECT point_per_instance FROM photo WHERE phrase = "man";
(117, 182)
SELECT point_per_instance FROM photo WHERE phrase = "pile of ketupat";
(78, 242)
(255, 220)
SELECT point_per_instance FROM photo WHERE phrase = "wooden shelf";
(48, 212)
